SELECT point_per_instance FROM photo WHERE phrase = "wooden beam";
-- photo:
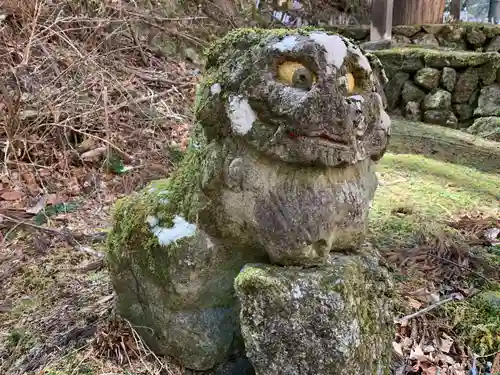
(455, 9)
(381, 20)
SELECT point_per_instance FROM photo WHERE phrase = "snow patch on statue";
(166, 236)
(288, 43)
(335, 48)
(240, 114)
(215, 89)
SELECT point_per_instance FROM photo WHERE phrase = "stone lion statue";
(279, 170)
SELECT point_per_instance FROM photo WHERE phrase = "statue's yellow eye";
(351, 83)
(296, 75)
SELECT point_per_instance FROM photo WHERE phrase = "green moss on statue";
(248, 190)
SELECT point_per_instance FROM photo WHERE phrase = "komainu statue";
(256, 241)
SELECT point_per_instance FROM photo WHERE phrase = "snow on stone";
(286, 44)
(152, 221)
(357, 98)
(336, 50)
(215, 89)
(385, 120)
(241, 114)
(296, 292)
(181, 229)
(362, 60)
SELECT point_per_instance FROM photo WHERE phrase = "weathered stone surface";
(379, 77)
(413, 111)
(494, 45)
(397, 60)
(488, 72)
(490, 30)
(424, 39)
(486, 127)
(411, 93)
(437, 99)
(474, 98)
(245, 191)
(356, 32)
(489, 101)
(406, 30)
(498, 75)
(441, 117)
(433, 28)
(463, 111)
(327, 317)
(376, 45)
(451, 120)
(476, 37)
(401, 40)
(449, 78)
(457, 59)
(466, 84)
(428, 78)
(450, 34)
(394, 89)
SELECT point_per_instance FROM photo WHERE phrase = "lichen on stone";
(274, 173)
(335, 319)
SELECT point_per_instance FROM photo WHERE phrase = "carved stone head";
(302, 115)
(301, 96)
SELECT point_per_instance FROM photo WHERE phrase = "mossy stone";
(336, 319)
(428, 78)
(437, 99)
(476, 37)
(466, 85)
(449, 78)
(411, 93)
(486, 127)
(406, 30)
(489, 101)
(177, 245)
(394, 88)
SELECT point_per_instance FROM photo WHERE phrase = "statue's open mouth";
(321, 137)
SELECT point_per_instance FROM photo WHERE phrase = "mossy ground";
(429, 175)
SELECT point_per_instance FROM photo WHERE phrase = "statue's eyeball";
(351, 83)
(296, 75)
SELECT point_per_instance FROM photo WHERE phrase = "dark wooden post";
(494, 11)
(455, 9)
(381, 24)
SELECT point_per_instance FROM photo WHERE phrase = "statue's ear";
(379, 76)
(210, 110)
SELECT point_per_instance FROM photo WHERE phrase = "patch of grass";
(429, 176)
(19, 341)
(74, 363)
(445, 144)
(419, 192)
(477, 321)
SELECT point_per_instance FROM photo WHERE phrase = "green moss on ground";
(477, 321)
(429, 176)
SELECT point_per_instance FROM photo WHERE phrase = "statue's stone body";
(280, 170)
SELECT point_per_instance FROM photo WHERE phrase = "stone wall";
(478, 37)
(449, 88)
